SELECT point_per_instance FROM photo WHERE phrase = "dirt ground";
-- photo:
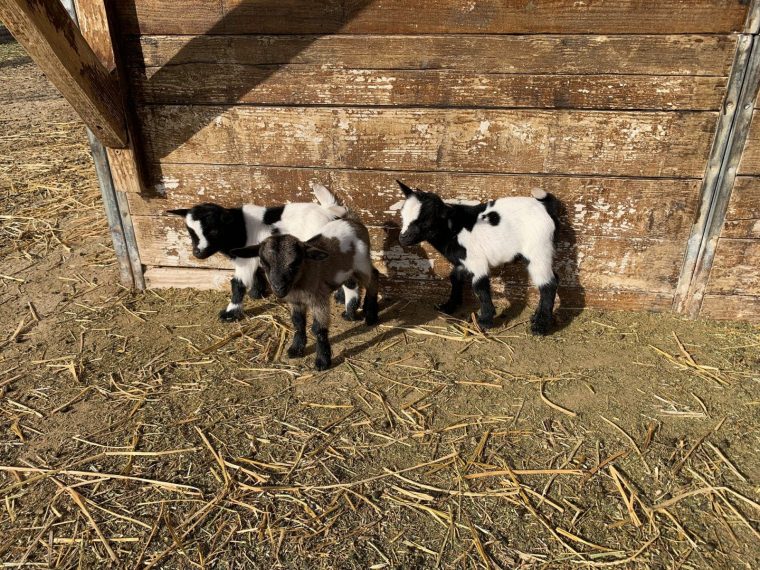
(138, 431)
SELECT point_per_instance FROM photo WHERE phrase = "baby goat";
(305, 275)
(477, 238)
(215, 229)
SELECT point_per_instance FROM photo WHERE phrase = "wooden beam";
(117, 168)
(50, 37)
(725, 156)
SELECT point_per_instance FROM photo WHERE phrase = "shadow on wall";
(571, 295)
(325, 19)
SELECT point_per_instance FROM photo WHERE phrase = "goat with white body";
(478, 238)
(306, 273)
(215, 229)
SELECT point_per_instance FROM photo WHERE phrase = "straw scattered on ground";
(140, 432)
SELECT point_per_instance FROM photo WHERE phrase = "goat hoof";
(371, 320)
(231, 316)
(485, 323)
(448, 308)
(540, 327)
(349, 316)
(322, 363)
(295, 351)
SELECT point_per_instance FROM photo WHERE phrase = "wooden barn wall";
(733, 290)
(611, 105)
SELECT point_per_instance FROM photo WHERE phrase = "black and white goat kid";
(306, 273)
(215, 229)
(478, 238)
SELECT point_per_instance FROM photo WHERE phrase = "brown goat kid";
(305, 274)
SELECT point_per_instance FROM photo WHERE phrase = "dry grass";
(139, 432)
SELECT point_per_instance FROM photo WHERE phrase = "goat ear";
(249, 251)
(316, 254)
(180, 212)
(405, 189)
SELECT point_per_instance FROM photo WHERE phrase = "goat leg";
(541, 320)
(298, 316)
(351, 299)
(320, 328)
(234, 311)
(259, 287)
(370, 307)
(481, 286)
(455, 297)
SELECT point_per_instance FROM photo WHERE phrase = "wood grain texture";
(53, 41)
(569, 297)
(731, 307)
(509, 141)
(594, 206)
(93, 23)
(431, 16)
(750, 163)
(743, 216)
(312, 85)
(536, 54)
(642, 264)
(736, 269)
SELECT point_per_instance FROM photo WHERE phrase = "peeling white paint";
(167, 183)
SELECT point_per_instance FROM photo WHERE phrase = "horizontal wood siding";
(267, 85)
(743, 216)
(641, 264)
(569, 298)
(576, 71)
(570, 55)
(614, 207)
(733, 290)
(499, 141)
(431, 16)
(611, 105)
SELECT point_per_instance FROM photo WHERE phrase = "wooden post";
(90, 16)
(47, 33)
(718, 182)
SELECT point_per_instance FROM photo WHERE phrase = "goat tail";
(328, 200)
(549, 202)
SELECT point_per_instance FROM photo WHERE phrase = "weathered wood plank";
(736, 269)
(720, 173)
(731, 307)
(93, 23)
(569, 297)
(650, 144)
(535, 54)
(431, 16)
(595, 206)
(642, 264)
(750, 163)
(743, 216)
(313, 85)
(48, 34)
(119, 173)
